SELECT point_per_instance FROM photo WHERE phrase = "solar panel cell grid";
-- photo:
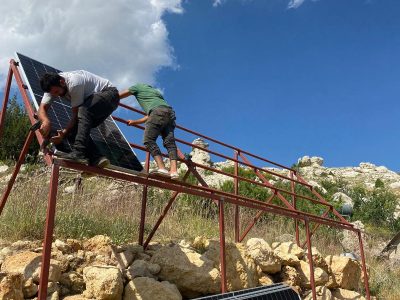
(107, 137)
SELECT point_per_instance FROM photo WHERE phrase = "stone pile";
(98, 269)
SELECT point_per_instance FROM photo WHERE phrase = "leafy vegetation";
(14, 133)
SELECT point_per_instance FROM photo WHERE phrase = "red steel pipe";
(310, 259)
(164, 213)
(5, 100)
(364, 265)
(236, 191)
(144, 203)
(21, 159)
(296, 222)
(48, 233)
(222, 256)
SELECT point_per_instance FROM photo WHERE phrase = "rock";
(320, 276)
(304, 161)
(323, 293)
(318, 259)
(367, 165)
(192, 273)
(103, 282)
(264, 256)
(30, 288)
(100, 244)
(241, 270)
(141, 268)
(75, 297)
(73, 281)
(395, 185)
(342, 294)
(343, 198)
(290, 248)
(61, 246)
(346, 272)
(307, 161)
(3, 169)
(74, 245)
(265, 279)
(200, 156)
(70, 189)
(11, 286)
(201, 244)
(28, 263)
(290, 276)
(124, 258)
(350, 240)
(143, 288)
(52, 287)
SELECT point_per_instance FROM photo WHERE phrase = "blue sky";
(320, 79)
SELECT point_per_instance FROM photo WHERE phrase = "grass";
(104, 206)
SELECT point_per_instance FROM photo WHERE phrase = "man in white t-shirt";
(93, 99)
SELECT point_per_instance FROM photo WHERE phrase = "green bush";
(15, 131)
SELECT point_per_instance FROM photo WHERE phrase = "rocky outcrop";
(11, 286)
(264, 256)
(346, 272)
(143, 288)
(342, 294)
(103, 282)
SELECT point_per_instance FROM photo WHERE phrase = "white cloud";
(295, 3)
(218, 2)
(125, 41)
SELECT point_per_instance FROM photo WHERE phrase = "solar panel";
(107, 136)
(278, 291)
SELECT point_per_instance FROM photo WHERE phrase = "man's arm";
(62, 133)
(43, 117)
(138, 121)
(125, 93)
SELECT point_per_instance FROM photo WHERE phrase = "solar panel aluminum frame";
(36, 105)
(259, 293)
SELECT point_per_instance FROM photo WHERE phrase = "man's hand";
(138, 121)
(45, 128)
(57, 139)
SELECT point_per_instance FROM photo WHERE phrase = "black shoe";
(75, 156)
(102, 162)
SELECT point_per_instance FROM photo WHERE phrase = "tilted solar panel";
(108, 137)
(278, 291)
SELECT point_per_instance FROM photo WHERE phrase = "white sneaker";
(161, 172)
(174, 175)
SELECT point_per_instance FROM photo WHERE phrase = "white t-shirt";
(80, 85)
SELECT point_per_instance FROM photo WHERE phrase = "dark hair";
(48, 80)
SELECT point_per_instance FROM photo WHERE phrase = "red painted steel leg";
(164, 213)
(364, 266)
(144, 203)
(296, 222)
(310, 260)
(21, 159)
(236, 182)
(255, 219)
(222, 245)
(51, 210)
(5, 99)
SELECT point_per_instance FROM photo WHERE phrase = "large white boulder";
(103, 282)
(11, 286)
(191, 272)
(143, 288)
(264, 256)
(346, 272)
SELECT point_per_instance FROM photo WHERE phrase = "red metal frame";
(240, 158)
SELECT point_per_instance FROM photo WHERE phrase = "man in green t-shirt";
(160, 120)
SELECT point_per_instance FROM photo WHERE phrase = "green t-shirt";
(147, 96)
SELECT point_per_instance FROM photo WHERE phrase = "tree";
(15, 131)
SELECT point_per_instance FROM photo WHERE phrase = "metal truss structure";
(282, 201)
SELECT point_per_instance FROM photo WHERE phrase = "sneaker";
(102, 162)
(74, 156)
(174, 175)
(161, 172)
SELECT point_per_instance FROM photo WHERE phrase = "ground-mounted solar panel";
(108, 137)
(277, 291)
